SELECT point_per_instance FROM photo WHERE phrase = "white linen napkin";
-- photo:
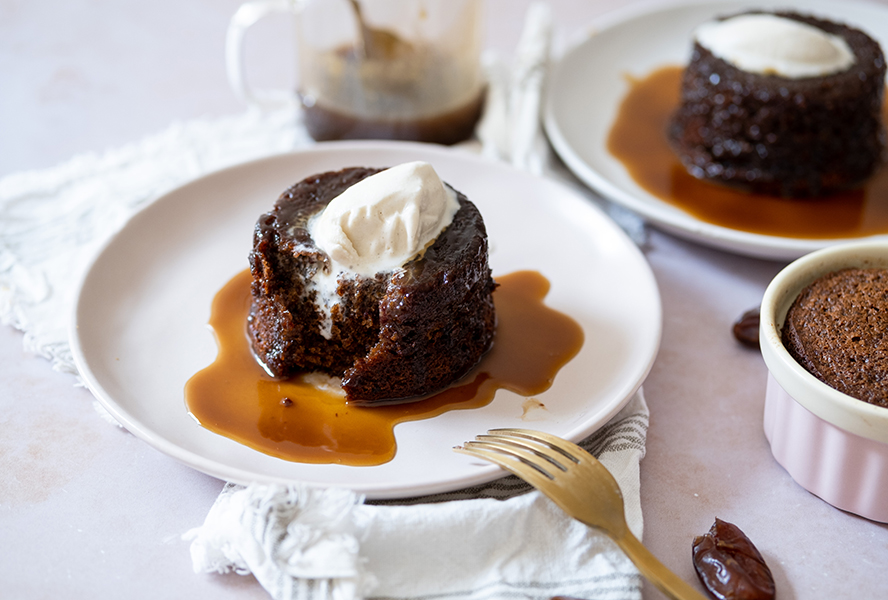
(306, 543)
(510, 129)
(493, 541)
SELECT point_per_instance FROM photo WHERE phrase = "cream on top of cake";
(771, 45)
(385, 220)
(378, 225)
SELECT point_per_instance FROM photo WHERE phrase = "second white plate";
(589, 82)
(139, 330)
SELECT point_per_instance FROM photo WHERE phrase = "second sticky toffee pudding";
(638, 138)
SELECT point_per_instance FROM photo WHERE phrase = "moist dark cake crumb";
(837, 329)
(393, 337)
(779, 136)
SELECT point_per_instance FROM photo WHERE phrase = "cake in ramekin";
(832, 444)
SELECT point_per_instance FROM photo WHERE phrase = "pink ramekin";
(833, 445)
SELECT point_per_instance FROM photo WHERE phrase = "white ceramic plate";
(140, 324)
(589, 81)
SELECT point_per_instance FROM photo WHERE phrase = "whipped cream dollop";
(385, 220)
(772, 45)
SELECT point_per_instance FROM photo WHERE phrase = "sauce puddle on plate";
(638, 140)
(299, 420)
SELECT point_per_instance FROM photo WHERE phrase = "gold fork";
(581, 486)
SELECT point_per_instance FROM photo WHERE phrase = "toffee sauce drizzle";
(297, 420)
(638, 140)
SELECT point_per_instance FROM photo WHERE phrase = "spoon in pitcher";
(378, 44)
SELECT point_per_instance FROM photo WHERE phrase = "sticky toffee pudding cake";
(837, 329)
(781, 104)
(392, 333)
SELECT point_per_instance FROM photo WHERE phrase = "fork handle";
(656, 572)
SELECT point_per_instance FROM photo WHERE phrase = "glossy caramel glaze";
(638, 140)
(297, 420)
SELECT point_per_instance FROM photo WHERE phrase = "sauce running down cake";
(398, 308)
(837, 329)
(781, 104)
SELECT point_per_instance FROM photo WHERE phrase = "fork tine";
(531, 474)
(568, 449)
(528, 456)
(536, 448)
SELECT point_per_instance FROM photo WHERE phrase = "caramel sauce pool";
(297, 420)
(638, 140)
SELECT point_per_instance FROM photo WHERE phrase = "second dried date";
(730, 566)
(746, 328)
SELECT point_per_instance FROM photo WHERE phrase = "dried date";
(746, 328)
(729, 565)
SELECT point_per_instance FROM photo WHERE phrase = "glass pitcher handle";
(245, 17)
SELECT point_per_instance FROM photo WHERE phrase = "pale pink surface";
(88, 511)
